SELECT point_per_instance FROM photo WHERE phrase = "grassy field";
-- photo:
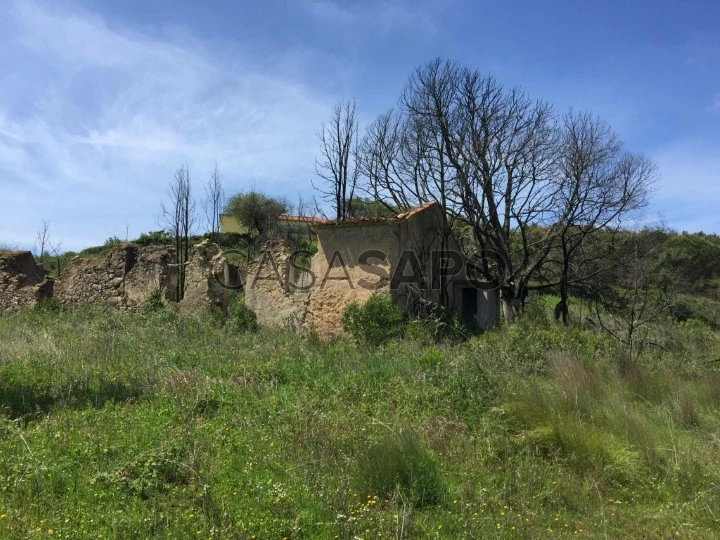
(115, 425)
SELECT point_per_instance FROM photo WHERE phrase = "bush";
(241, 316)
(376, 322)
(153, 301)
(536, 310)
(400, 464)
(154, 238)
(444, 326)
(50, 304)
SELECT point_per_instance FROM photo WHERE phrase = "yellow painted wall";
(230, 224)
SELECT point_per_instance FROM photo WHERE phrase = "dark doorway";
(469, 306)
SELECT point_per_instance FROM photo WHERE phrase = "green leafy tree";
(363, 208)
(258, 212)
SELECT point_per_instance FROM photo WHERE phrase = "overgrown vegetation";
(374, 322)
(241, 317)
(172, 425)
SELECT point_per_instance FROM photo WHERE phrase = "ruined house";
(128, 274)
(399, 255)
(23, 282)
(122, 279)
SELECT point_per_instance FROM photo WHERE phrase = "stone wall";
(209, 278)
(273, 292)
(341, 276)
(283, 297)
(23, 282)
(356, 259)
(128, 274)
(122, 279)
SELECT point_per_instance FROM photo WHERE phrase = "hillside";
(121, 425)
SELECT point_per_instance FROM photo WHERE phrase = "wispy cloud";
(383, 15)
(113, 113)
(333, 11)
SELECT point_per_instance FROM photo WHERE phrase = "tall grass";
(172, 425)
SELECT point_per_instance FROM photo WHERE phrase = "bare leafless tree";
(55, 250)
(405, 164)
(42, 239)
(601, 186)
(485, 154)
(640, 295)
(214, 202)
(337, 167)
(179, 219)
(503, 165)
(504, 168)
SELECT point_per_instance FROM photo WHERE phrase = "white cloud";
(384, 15)
(113, 112)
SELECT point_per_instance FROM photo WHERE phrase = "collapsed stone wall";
(272, 290)
(128, 274)
(23, 282)
(122, 279)
(315, 300)
(209, 278)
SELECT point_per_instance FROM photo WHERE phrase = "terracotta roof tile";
(416, 210)
(304, 219)
(372, 221)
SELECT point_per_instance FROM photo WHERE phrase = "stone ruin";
(129, 274)
(23, 282)
(209, 278)
(272, 291)
(401, 256)
(123, 279)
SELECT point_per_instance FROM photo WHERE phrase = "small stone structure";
(122, 279)
(23, 282)
(396, 255)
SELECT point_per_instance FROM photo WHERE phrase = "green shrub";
(154, 238)
(375, 322)
(50, 304)
(241, 316)
(430, 358)
(419, 333)
(536, 311)
(443, 325)
(153, 301)
(400, 464)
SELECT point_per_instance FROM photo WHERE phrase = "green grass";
(163, 425)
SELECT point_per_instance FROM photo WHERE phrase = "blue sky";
(101, 100)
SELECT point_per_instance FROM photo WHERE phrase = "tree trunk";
(510, 304)
(561, 309)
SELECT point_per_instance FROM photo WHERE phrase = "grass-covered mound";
(132, 426)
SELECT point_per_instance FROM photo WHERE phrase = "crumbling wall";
(23, 282)
(209, 278)
(122, 279)
(128, 274)
(353, 262)
(275, 291)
